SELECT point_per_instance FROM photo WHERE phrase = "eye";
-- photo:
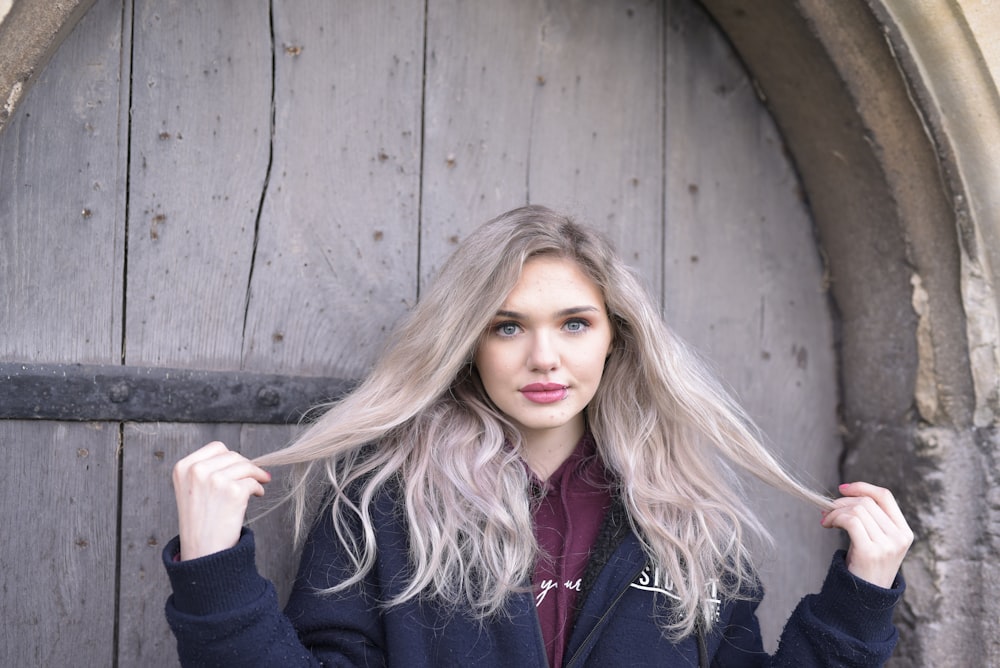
(507, 329)
(576, 325)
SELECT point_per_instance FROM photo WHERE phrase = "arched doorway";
(321, 195)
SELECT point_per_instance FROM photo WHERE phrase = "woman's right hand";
(213, 486)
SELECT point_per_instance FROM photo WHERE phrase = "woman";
(535, 473)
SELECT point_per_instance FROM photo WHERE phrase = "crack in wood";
(264, 187)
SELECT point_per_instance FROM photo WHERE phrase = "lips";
(544, 393)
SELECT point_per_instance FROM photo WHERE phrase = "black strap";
(702, 645)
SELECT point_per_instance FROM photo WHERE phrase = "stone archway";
(890, 111)
(30, 32)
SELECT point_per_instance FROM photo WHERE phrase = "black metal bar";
(78, 392)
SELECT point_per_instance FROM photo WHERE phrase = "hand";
(880, 536)
(213, 486)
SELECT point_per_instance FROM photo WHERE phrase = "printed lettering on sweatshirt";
(548, 585)
(651, 579)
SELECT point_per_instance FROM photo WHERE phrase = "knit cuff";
(217, 582)
(855, 606)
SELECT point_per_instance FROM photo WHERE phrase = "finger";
(220, 489)
(869, 529)
(204, 453)
(220, 472)
(873, 513)
(882, 496)
(205, 467)
(845, 518)
(240, 490)
(253, 487)
(857, 522)
(244, 469)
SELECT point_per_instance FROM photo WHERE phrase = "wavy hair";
(671, 437)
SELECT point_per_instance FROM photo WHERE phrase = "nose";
(544, 353)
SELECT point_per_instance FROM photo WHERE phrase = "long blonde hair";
(668, 433)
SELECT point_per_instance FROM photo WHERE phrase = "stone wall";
(890, 109)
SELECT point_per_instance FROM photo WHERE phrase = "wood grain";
(200, 152)
(337, 252)
(61, 246)
(200, 146)
(477, 118)
(61, 258)
(149, 521)
(553, 103)
(597, 135)
(59, 501)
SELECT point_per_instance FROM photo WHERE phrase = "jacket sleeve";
(847, 624)
(224, 613)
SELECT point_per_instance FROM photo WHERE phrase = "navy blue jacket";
(224, 613)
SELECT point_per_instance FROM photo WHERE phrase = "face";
(542, 359)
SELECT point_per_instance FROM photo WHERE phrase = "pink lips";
(544, 393)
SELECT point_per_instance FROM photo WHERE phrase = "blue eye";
(576, 326)
(507, 329)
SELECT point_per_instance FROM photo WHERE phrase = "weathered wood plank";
(336, 258)
(597, 130)
(200, 140)
(481, 76)
(57, 584)
(60, 228)
(149, 520)
(556, 103)
(61, 240)
(298, 160)
(745, 282)
(200, 153)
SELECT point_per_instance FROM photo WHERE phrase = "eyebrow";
(573, 310)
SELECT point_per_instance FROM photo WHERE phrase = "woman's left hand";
(880, 536)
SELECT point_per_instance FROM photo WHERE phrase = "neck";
(545, 452)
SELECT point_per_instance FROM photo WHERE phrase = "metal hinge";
(79, 392)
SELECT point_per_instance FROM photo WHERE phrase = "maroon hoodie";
(567, 519)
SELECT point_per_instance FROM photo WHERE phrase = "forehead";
(553, 280)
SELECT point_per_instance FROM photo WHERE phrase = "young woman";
(535, 473)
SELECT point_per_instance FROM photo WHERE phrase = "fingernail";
(843, 485)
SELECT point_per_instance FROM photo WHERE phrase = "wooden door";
(267, 186)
